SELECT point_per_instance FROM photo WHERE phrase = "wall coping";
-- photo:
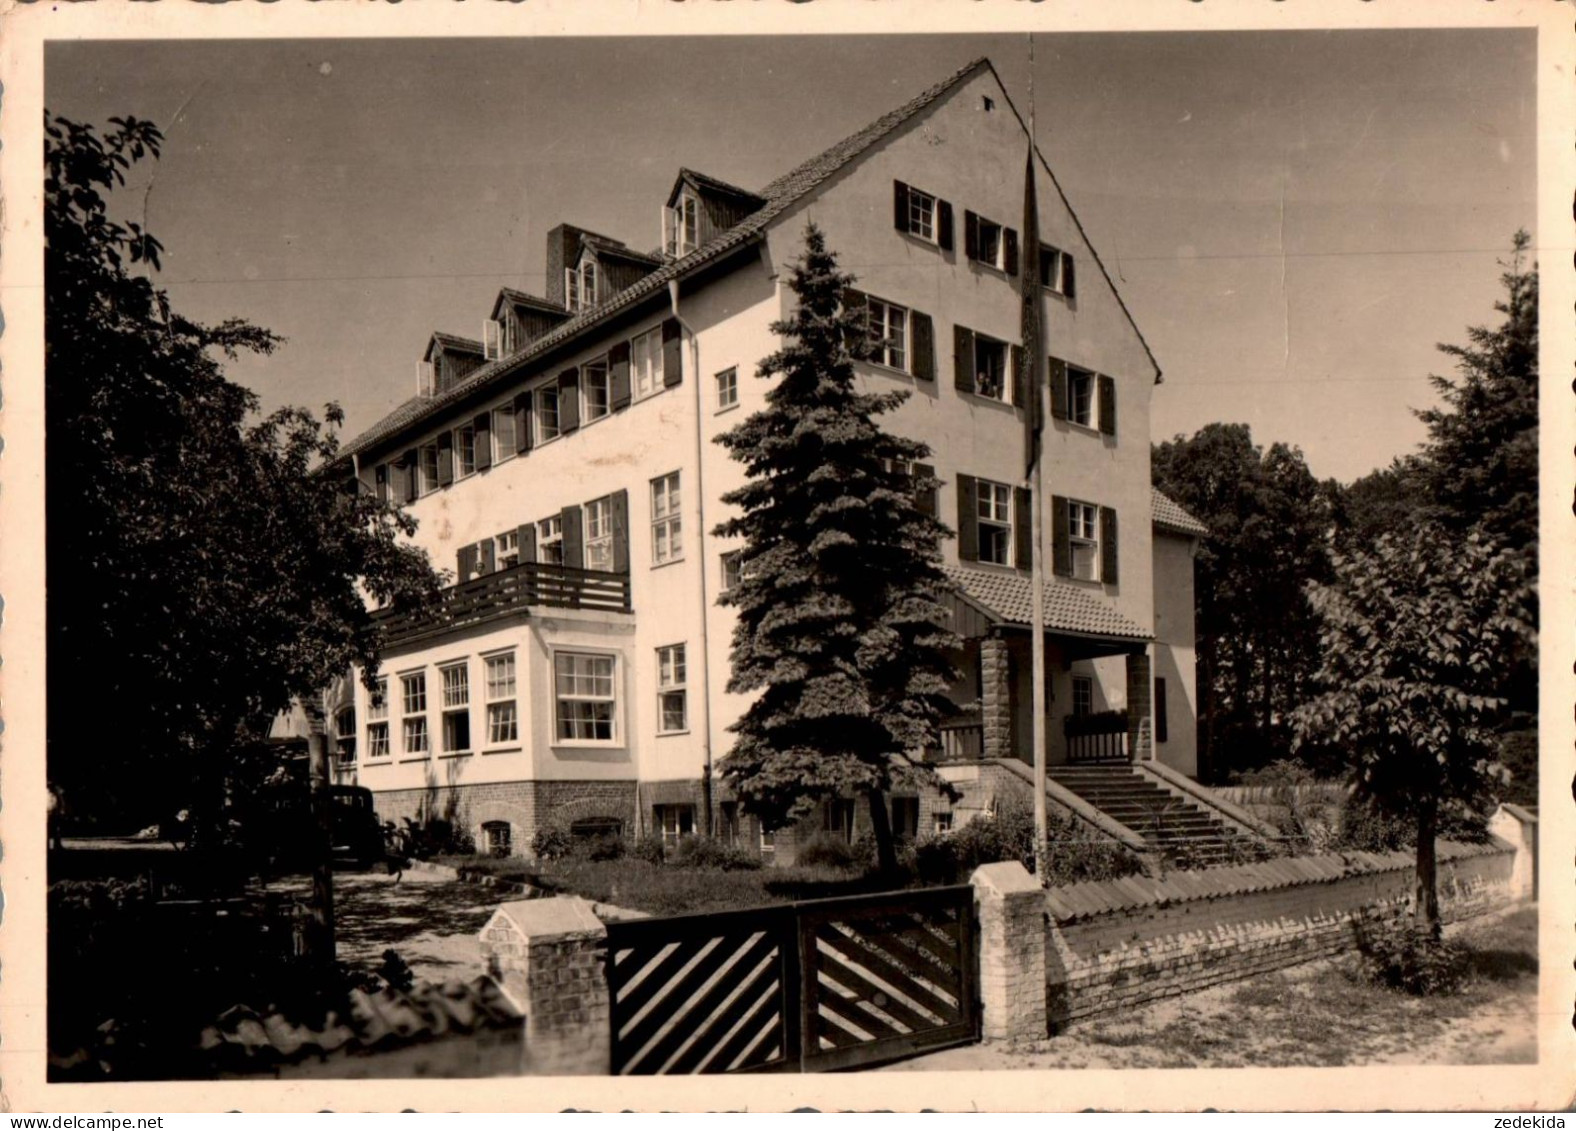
(1073, 902)
(557, 917)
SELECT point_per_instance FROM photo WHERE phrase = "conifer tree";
(841, 633)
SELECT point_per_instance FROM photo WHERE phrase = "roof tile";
(1168, 514)
(1068, 607)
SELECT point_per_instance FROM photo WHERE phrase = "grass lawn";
(1312, 1015)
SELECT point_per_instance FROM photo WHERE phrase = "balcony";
(507, 592)
(1097, 737)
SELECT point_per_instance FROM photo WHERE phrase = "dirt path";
(1315, 1014)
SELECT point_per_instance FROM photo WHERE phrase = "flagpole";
(1034, 352)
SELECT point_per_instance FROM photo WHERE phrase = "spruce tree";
(841, 634)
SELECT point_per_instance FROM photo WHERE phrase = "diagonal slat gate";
(811, 986)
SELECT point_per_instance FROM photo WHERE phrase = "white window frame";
(456, 697)
(889, 334)
(982, 387)
(1082, 407)
(579, 695)
(429, 476)
(501, 691)
(1083, 534)
(998, 258)
(728, 388)
(922, 215)
(672, 687)
(416, 736)
(667, 522)
(645, 364)
(597, 525)
(426, 378)
(1082, 696)
(492, 339)
(378, 721)
(343, 755)
(993, 508)
(490, 831)
(502, 448)
(589, 409)
(673, 831)
(732, 570)
(546, 395)
(581, 284)
(550, 540)
(464, 441)
(505, 545)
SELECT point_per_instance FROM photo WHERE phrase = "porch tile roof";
(1166, 513)
(1068, 607)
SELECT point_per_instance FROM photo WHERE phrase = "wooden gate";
(809, 987)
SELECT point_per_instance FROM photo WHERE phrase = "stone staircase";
(1176, 827)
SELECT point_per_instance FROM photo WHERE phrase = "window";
(503, 437)
(838, 817)
(377, 724)
(1083, 695)
(905, 817)
(728, 822)
(599, 534)
(550, 540)
(673, 822)
(465, 451)
(1080, 397)
(667, 542)
(429, 468)
(1056, 270)
(503, 720)
(345, 736)
(992, 246)
(888, 334)
(921, 215)
(456, 708)
(645, 364)
(727, 388)
(413, 698)
(672, 701)
(681, 225)
(426, 379)
(768, 843)
(598, 393)
(507, 549)
(580, 285)
(990, 368)
(987, 103)
(732, 566)
(943, 822)
(546, 413)
(995, 522)
(496, 838)
(1083, 539)
(492, 339)
(583, 688)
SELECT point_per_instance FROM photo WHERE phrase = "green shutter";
(620, 509)
(568, 401)
(1022, 529)
(963, 358)
(483, 431)
(944, 225)
(1107, 386)
(618, 372)
(672, 353)
(1010, 236)
(971, 235)
(1061, 545)
(1058, 370)
(522, 423)
(526, 533)
(1108, 555)
(465, 563)
(968, 520)
(900, 206)
(922, 346)
(1068, 287)
(574, 540)
(1021, 385)
(445, 459)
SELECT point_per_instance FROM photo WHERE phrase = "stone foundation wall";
(526, 805)
(1119, 944)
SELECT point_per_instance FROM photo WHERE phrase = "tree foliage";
(203, 570)
(1415, 631)
(1257, 634)
(840, 623)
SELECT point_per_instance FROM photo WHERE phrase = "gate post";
(550, 957)
(1011, 907)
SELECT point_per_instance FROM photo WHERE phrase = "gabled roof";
(453, 343)
(700, 180)
(1008, 598)
(617, 249)
(530, 301)
(1167, 514)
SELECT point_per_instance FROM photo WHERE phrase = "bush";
(826, 850)
(649, 849)
(708, 852)
(551, 843)
(1077, 853)
(605, 846)
(1401, 956)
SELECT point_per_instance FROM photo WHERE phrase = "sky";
(1294, 218)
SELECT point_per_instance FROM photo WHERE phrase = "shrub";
(605, 846)
(1405, 957)
(826, 850)
(708, 852)
(551, 843)
(650, 849)
(1077, 853)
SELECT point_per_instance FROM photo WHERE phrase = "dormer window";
(580, 285)
(681, 225)
(426, 378)
(495, 338)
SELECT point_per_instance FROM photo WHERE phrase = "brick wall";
(1125, 942)
(525, 805)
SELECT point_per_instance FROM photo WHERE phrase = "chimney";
(563, 245)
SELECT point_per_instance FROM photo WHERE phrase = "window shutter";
(446, 459)
(1108, 405)
(1020, 378)
(488, 558)
(618, 373)
(672, 354)
(1058, 369)
(968, 520)
(1061, 546)
(963, 358)
(483, 431)
(944, 225)
(380, 476)
(568, 401)
(1068, 288)
(1022, 530)
(620, 508)
(1010, 237)
(857, 303)
(925, 496)
(922, 335)
(1108, 557)
(1161, 734)
(971, 235)
(408, 463)
(574, 540)
(522, 423)
(527, 536)
(466, 562)
(900, 206)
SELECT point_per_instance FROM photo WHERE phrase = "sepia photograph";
(608, 555)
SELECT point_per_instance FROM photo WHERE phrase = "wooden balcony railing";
(505, 592)
(1100, 737)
